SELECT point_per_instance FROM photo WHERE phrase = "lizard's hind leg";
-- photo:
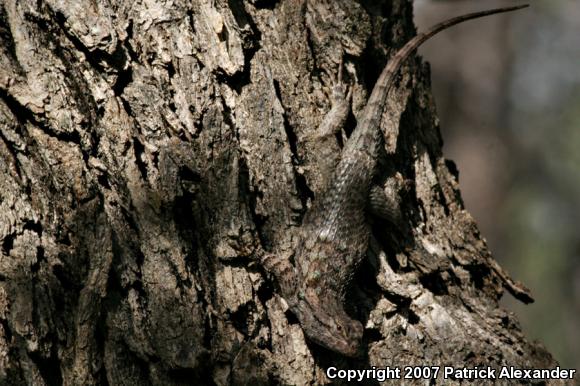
(384, 206)
(282, 271)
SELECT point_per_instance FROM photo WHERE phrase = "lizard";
(334, 235)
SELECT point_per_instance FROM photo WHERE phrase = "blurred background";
(507, 90)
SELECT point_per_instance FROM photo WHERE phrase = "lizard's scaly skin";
(334, 236)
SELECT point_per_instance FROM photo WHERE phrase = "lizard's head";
(325, 323)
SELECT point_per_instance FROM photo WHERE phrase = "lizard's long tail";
(378, 97)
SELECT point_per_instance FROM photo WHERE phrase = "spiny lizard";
(334, 235)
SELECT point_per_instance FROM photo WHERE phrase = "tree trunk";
(151, 150)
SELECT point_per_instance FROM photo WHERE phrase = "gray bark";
(150, 150)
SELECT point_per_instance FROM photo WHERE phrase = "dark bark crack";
(8, 243)
(251, 37)
(304, 192)
(49, 367)
(139, 151)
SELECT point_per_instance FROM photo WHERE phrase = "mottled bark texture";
(150, 150)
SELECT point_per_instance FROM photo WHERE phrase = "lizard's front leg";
(322, 145)
(334, 120)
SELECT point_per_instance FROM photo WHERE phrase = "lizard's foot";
(341, 93)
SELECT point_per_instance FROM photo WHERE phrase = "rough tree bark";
(151, 149)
